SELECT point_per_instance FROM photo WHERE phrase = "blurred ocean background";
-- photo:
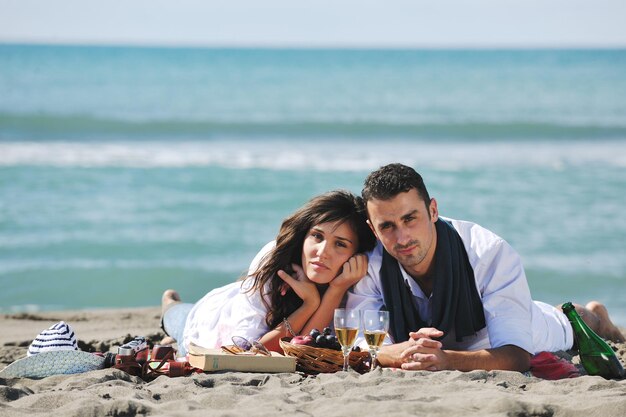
(126, 171)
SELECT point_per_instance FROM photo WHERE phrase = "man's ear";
(369, 223)
(434, 212)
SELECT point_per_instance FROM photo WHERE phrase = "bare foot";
(167, 341)
(606, 328)
(169, 297)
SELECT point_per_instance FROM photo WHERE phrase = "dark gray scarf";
(456, 303)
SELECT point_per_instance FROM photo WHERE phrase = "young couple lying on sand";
(457, 293)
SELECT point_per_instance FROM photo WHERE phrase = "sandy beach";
(113, 392)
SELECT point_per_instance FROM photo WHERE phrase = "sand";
(382, 392)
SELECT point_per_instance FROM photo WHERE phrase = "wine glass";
(346, 328)
(375, 328)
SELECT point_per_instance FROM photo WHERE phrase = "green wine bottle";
(596, 355)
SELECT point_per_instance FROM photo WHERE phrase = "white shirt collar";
(416, 290)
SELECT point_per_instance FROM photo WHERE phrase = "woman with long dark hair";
(293, 285)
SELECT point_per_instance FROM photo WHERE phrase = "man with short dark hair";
(457, 293)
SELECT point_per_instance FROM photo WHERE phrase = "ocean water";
(127, 171)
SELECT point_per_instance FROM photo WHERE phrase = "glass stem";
(346, 360)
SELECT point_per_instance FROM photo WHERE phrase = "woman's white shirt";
(229, 311)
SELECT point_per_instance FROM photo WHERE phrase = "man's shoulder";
(476, 238)
(370, 285)
(375, 256)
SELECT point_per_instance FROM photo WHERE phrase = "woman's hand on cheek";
(301, 285)
(352, 272)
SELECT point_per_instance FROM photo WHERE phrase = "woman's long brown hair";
(334, 206)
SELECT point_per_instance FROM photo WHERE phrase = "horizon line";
(316, 46)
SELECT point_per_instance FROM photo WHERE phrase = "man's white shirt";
(512, 317)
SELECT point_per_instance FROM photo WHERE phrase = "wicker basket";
(312, 360)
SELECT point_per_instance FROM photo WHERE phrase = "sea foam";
(320, 155)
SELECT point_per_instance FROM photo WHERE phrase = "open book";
(217, 360)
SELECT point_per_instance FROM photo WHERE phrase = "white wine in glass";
(375, 328)
(346, 328)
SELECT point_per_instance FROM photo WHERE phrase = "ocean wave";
(86, 128)
(602, 264)
(222, 264)
(318, 155)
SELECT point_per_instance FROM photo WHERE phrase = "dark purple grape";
(314, 333)
(327, 331)
(320, 340)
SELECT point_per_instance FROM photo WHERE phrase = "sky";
(319, 23)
